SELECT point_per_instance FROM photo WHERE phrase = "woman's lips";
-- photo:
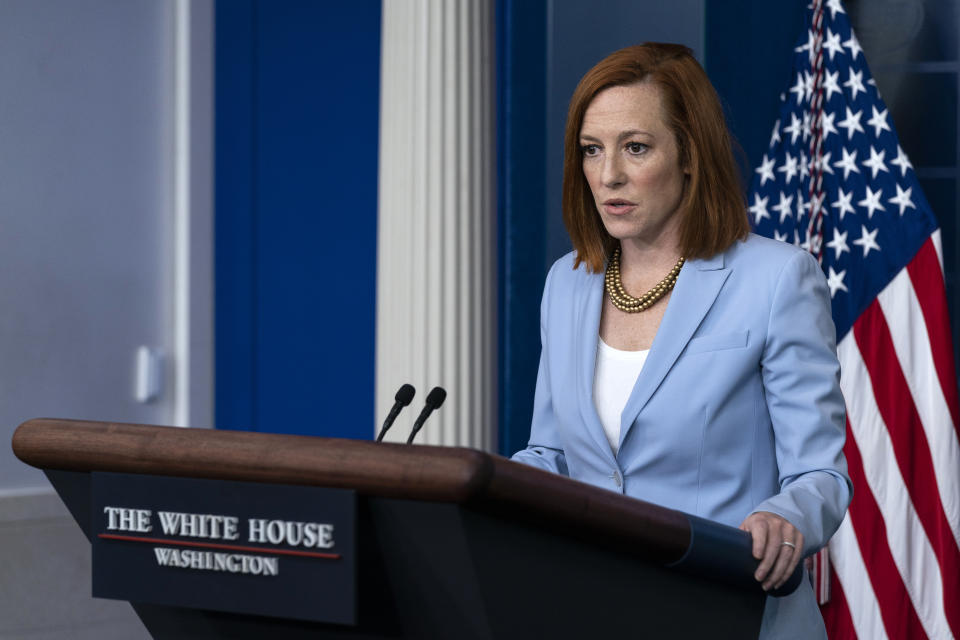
(618, 207)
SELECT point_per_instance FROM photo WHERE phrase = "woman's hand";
(777, 544)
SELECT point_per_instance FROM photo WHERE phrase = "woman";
(716, 392)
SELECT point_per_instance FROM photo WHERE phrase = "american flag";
(836, 182)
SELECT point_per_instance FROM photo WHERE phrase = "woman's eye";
(636, 147)
(590, 150)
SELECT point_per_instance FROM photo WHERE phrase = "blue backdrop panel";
(297, 215)
(234, 256)
(521, 86)
(749, 53)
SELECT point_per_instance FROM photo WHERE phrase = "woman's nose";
(612, 174)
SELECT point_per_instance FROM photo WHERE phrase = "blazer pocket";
(718, 342)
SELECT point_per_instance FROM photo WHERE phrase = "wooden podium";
(449, 542)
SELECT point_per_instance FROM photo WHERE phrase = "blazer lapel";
(696, 290)
(589, 306)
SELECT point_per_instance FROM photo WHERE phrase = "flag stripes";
(915, 558)
(820, 575)
(892, 600)
(837, 617)
(899, 414)
(861, 618)
(926, 276)
(916, 359)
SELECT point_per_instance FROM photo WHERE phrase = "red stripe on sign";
(927, 280)
(910, 447)
(836, 614)
(899, 617)
(228, 547)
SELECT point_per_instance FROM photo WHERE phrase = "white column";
(436, 272)
(193, 214)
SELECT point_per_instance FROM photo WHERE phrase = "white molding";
(436, 272)
(193, 213)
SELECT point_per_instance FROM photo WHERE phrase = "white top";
(613, 380)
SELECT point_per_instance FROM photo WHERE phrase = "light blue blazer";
(737, 409)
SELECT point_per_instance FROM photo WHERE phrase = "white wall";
(105, 238)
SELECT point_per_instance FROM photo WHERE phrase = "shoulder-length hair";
(713, 210)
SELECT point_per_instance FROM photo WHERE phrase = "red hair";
(713, 210)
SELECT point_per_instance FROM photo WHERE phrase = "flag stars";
(867, 240)
(825, 181)
(783, 208)
(793, 129)
(824, 163)
(801, 207)
(878, 121)
(852, 123)
(798, 87)
(826, 125)
(766, 170)
(872, 202)
(875, 163)
(902, 199)
(843, 203)
(775, 136)
(855, 83)
(759, 208)
(902, 161)
(848, 163)
(835, 8)
(808, 47)
(835, 281)
(832, 43)
(839, 243)
(853, 45)
(815, 242)
(807, 86)
(830, 84)
(789, 168)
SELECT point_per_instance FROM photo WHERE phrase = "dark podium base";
(435, 570)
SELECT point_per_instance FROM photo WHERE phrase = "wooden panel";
(442, 474)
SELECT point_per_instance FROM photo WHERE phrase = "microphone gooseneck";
(404, 396)
(434, 399)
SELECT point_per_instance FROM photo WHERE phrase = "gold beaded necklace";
(623, 300)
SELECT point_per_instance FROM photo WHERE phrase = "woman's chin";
(622, 232)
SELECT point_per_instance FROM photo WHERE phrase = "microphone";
(402, 399)
(434, 399)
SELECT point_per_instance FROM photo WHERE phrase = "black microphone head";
(436, 397)
(405, 394)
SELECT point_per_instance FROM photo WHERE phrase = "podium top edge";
(416, 472)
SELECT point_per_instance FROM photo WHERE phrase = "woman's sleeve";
(801, 379)
(544, 449)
